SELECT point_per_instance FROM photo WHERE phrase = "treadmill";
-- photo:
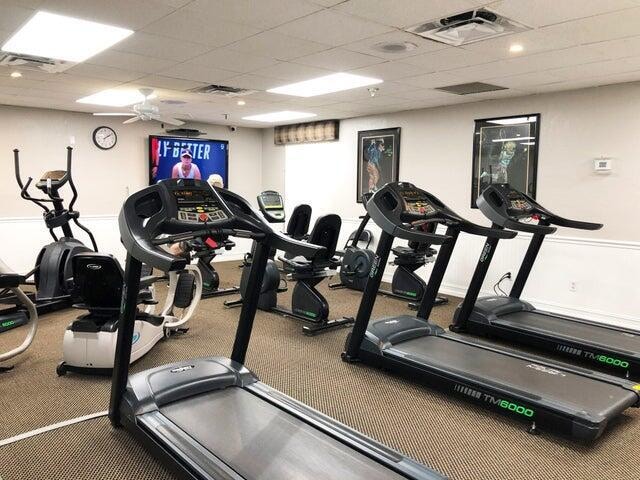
(614, 349)
(211, 418)
(570, 401)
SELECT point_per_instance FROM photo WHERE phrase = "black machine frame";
(168, 443)
(383, 345)
(481, 316)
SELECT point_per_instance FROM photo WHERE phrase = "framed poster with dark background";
(505, 150)
(378, 159)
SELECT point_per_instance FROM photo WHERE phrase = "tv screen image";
(174, 157)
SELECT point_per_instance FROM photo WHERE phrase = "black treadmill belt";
(571, 330)
(563, 389)
(260, 441)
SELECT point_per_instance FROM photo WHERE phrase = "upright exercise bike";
(52, 274)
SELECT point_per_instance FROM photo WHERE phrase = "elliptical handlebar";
(24, 187)
(70, 180)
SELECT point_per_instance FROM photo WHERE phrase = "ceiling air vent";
(223, 91)
(467, 27)
(30, 62)
(469, 88)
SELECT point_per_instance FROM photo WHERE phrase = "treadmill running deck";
(577, 394)
(573, 331)
(260, 441)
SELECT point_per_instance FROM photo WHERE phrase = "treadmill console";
(271, 205)
(416, 201)
(502, 200)
(198, 205)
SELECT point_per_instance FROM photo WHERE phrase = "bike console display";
(272, 206)
(507, 207)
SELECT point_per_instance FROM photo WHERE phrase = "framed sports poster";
(505, 150)
(378, 159)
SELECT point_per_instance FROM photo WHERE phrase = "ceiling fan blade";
(114, 114)
(131, 120)
(169, 120)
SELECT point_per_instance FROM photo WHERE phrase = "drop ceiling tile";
(338, 59)
(159, 81)
(525, 79)
(104, 73)
(291, 72)
(161, 47)
(191, 26)
(130, 61)
(423, 95)
(449, 58)
(538, 13)
(389, 71)
(432, 80)
(33, 4)
(276, 45)
(367, 45)
(268, 97)
(264, 14)
(235, 61)
(331, 28)
(197, 72)
(122, 13)
(403, 13)
(600, 28)
(624, 47)
(253, 82)
(12, 17)
(532, 41)
(595, 69)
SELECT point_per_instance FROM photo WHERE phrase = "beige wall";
(436, 151)
(103, 178)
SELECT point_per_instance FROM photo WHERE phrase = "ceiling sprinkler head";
(225, 116)
(373, 91)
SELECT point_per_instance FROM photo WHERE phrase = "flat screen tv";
(169, 158)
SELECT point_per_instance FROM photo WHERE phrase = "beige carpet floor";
(461, 440)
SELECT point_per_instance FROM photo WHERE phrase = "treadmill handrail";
(475, 229)
(535, 228)
(576, 224)
(410, 234)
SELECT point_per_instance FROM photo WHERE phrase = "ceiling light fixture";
(283, 116)
(64, 38)
(15, 75)
(241, 102)
(516, 48)
(335, 82)
(114, 98)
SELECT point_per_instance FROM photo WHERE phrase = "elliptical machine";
(52, 274)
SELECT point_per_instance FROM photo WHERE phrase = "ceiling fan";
(148, 111)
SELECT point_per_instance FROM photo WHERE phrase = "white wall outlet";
(572, 286)
(602, 165)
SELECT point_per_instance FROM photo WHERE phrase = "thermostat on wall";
(602, 165)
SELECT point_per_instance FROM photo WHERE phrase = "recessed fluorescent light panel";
(279, 116)
(63, 38)
(335, 82)
(114, 98)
